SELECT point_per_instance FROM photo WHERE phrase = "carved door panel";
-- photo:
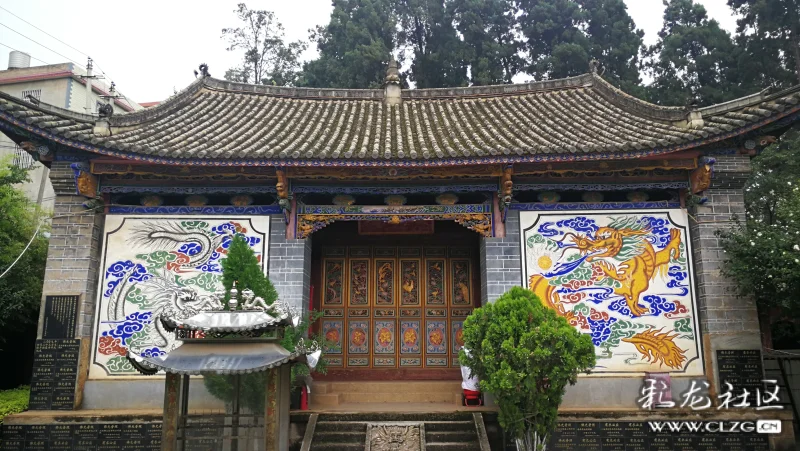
(395, 306)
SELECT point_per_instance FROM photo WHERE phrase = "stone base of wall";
(118, 430)
(609, 430)
(142, 393)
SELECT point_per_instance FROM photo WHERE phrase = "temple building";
(396, 213)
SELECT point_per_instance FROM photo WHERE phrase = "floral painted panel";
(358, 337)
(623, 277)
(384, 337)
(434, 274)
(462, 280)
(152, 264)
(332, 331)
(436, 337)
(409, 337)
(384, 281)
(458, 335)
(359, 284)
(410, 284)
(334, 275)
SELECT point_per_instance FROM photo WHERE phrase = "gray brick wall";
(500, 261)
(289, 264)
(73, 256)
(720, 310)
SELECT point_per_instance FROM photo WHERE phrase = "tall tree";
(437, 53)
(693, 60)
(268, 59)
(763, 249)
(20, 284)
(355, 45)
(555, 44)
(769, 33)
(562, 36)
(491, 46)
(614, 41)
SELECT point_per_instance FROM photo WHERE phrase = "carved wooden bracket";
(700, 178)
(284, 198)
(506, 189)
(85, 181)
(310, 223)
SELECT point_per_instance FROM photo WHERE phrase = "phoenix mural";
(155, 265)
(622, 277)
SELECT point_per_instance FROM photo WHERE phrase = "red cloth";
(470, 394)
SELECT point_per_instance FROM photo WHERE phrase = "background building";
(60, 85)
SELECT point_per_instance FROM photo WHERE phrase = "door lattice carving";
(395, 307)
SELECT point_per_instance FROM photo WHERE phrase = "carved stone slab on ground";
(395, 436)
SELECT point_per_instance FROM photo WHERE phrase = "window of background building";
(34, 93)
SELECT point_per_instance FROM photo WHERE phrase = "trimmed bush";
(14, 401)
(525, 355)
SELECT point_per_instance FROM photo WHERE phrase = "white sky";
(149, 47)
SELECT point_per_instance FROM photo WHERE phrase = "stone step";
(341, 426)
(407, 397)
(450, 426)
(420, 417)
(450, 436)
(323, 400)
(337, 446)
(354, 437)
(393, 387)
(330, 395)
(458, 446)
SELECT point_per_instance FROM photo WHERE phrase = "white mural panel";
(152, 263)
(625, 278)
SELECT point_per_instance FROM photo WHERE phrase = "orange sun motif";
(384, 336)
(332, 335)
(359, 337)
(460, 337)
(436, 337)
(410, 337)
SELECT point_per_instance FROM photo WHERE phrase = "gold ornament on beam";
(700, 178)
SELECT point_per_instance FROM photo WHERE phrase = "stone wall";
(727, 321)
(73, 256)
(501, 262)
(289, 265)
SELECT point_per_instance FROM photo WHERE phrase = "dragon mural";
(154, 267)
(622, 278)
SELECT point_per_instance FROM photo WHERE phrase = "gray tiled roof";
(223, 121)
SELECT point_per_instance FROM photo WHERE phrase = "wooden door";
(395, 306)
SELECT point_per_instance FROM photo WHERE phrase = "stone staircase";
(340, 395)
(451, 431)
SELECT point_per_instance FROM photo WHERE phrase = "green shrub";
(242, 266)
(525, 355)
(14, 401)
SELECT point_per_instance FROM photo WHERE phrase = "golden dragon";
(634, 274)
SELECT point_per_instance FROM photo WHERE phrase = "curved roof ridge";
(495, 90)
(295, 92)
(155, 112)
(47, 108)
(747, 101)
(634, 104)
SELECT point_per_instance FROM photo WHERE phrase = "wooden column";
(277, 408)
(169, 433)
(271, 425)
